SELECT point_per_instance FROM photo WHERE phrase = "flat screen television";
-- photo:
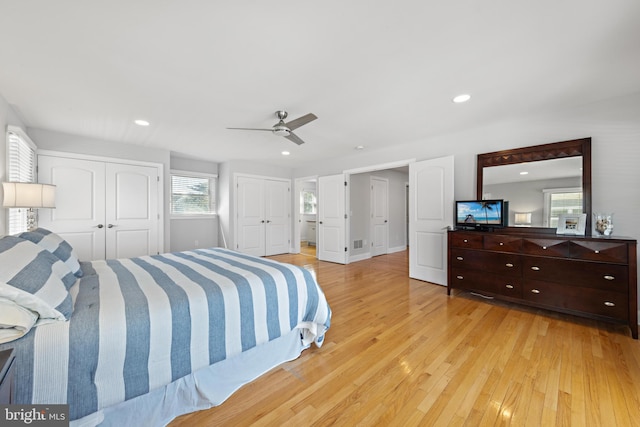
(481, 214)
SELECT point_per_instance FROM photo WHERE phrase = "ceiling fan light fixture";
(281, 130)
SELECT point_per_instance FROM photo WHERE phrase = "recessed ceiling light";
(462, 98)
(524, 173)
(141, 122)
(359, 147)
(285, 153)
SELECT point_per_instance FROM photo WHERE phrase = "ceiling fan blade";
(300, 121)
(270, 130)
(293, 137)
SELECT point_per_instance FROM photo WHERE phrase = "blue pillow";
(57, 246)
(31, 277)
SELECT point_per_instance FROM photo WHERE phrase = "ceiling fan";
(285, 129)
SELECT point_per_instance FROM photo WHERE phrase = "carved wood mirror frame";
(557, 150)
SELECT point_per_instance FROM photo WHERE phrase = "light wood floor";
(402, 353)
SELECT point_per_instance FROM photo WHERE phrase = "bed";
(140, 341)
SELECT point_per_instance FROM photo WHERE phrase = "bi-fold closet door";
(263, 215)
(104, 209)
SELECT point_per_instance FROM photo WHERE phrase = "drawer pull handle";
(609, 277)
(544, 248)
(509, 286)
(509, 265)
(535, 291)
(465, 240)
(501, 244)
(609, 304)
(459, 277)
(534, 268)
(597, 252)
(459, 258)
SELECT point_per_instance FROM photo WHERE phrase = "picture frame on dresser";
(572, 224)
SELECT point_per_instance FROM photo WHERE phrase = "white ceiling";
(375, 73)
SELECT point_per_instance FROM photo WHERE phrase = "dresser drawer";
(546, 247)
(482, 282)
(465, 240)
(499, 263)
(610, 277)
(599, 251)
(502, 243)
(588, 300)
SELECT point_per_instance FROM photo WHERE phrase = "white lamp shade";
(28, 195)
(523, 218)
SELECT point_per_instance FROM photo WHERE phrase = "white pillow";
(15, 321)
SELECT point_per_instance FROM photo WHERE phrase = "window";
(308, 203)
(21, 155)
(193, 194)
(561, 201)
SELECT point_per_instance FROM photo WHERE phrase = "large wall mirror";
(540, 182)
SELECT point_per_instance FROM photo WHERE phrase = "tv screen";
(480, 213)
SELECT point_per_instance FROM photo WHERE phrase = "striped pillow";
(32, 278)
(57, 246)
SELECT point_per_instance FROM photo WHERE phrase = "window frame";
(213, 194)
(11, 213)
(548, 192)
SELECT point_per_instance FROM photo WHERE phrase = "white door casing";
(379, 216)
(431, 200)
(263, 215)
(332, 221)
(91, 194)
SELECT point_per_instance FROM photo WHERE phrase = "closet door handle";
(99, 225)
(111, 225)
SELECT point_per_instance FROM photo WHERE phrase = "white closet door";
(251, 216)
(79, 216)
(277, 216)
(132, 214)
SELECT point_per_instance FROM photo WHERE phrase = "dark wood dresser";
(586, 276)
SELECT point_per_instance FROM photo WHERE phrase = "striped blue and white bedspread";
(141, 323)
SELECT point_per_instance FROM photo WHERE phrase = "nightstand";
(7, 378)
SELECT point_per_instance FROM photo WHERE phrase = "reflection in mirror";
(559, 176)
(538, 192)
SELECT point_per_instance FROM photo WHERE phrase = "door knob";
(99, 225)
(110, 226)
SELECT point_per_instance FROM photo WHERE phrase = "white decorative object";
(603, 223)
(572, 224)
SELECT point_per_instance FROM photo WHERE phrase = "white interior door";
(251, 221)
(132, 214)
(332, 221)
(79, 216)
(277, 205)
(431, 200)
(379, 216)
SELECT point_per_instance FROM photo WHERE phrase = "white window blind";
(192, 194)
(21, 153)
